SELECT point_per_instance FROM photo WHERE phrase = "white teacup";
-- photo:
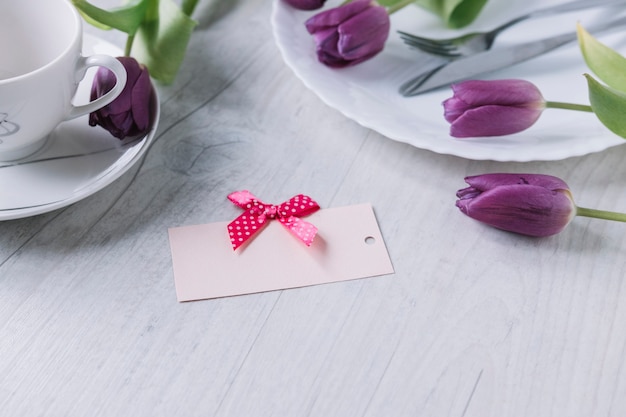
(41, 65)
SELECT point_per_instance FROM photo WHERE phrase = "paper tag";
(348, 246)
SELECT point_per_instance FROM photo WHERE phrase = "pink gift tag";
(348, 246)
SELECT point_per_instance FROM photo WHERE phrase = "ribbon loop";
(257, 213)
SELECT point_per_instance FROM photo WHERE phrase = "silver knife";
(491, 60)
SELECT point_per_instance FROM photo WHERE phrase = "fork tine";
(446, 47)
(475, 42)
(418, 40)
(446, 50)
(415, 38)
(448, 53)
(412, 36)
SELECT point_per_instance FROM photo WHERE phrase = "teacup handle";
(99, 61)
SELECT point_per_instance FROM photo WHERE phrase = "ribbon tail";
(243, 228)
(302, 229)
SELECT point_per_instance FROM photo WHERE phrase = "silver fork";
(475, 42)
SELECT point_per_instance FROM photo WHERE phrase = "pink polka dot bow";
(257, 213)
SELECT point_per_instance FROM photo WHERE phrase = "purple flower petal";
(141, 107)
(486, 182)
(510, 92)
(492, 108)
(364, 34)
(493, 120)
(305, 4)
(529, 204)
(333, 17)
(130, 114)
(349, 34)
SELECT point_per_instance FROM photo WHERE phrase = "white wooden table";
(474, 322)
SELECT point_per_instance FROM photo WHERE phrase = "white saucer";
(77, 160)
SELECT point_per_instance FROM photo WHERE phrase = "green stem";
(601, 214)
(568, 106)
(391, 9)
(189, 6)
(399, 5)
(129, 45)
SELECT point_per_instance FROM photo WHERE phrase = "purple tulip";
(131, 113)
(305, 4)
(349, 34)
(529, 204)
(492, 108)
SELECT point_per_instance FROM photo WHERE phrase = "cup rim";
(76, 39)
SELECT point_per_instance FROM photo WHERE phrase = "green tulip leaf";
(455, 13)
(93, 22)
(161, 41)
(390, 3)
(608, 65)
(188, 6)
(608, 104)
(126, 19)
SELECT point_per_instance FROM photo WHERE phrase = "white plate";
(367, 93)
(76, 161)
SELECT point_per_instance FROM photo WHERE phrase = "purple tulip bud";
(492, 108)
(349, 34)
(131, 113)
(305, 4)
(529, 204)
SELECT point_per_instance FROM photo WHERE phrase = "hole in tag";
(370, 240)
